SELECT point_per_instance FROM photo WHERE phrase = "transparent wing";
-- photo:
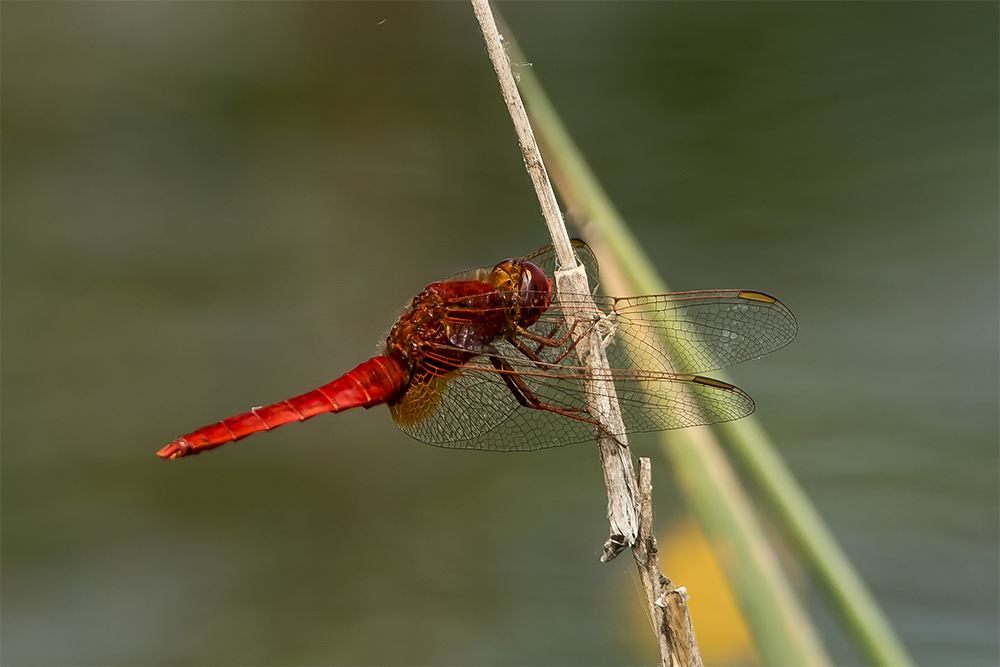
(477, 409)
(684, 332)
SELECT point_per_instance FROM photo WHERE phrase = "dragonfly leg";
(528, 399)
(542, 364)
(547, 341)
(538, 348)
(544, 342)
(550, 340)
(532, 355)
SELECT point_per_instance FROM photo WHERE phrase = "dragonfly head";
(531, 288)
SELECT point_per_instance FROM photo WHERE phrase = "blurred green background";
(209, 206)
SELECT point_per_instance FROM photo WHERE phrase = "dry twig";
(667, 606)
(619, 476)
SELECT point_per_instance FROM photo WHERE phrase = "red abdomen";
(378, 380)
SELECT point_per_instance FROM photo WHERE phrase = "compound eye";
(536, 293)
(502, 276)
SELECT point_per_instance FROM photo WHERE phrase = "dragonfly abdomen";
(376, 381)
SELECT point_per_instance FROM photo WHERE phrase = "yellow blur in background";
(685, 557)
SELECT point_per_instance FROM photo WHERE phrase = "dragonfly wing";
(477, 409)
(663, 401)
(474, 408)
(458, 407)
(649, 401)
(687, 332)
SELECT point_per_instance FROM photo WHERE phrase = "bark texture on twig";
(667, 605)
(631, 517)
(619, 475)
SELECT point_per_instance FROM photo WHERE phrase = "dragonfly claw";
(607, 328)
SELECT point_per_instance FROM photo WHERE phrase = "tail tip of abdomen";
(175, 449)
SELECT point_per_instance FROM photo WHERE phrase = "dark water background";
(208, 206)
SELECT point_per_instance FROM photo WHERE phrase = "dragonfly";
(486, 359)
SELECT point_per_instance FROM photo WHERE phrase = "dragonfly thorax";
(446, 325)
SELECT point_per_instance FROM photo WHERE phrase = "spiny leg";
(550, 341)
(528, 399)
(544, 342)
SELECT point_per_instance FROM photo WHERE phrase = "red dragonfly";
(486, 360)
